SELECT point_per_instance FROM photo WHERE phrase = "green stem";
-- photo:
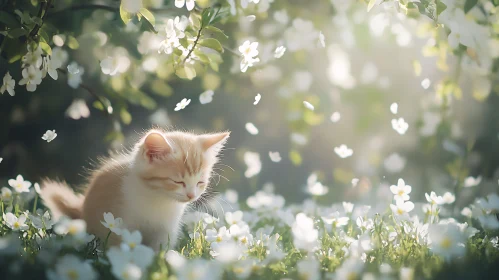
(107, 239)
(34, 204)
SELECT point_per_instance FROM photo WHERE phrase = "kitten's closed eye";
(179, 183)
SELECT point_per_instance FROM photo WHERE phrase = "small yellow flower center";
(238, 270)
(400, 211)
(17, 225)
(111, 225)
(244, 240)
(446, 243)
(72, 230)
(72, 274)
(132, 245)
(401, 192)
(219, 239)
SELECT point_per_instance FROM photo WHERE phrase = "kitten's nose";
(190, 195)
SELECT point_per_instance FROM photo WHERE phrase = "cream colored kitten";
(149, 188)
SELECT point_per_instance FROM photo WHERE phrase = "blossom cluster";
(258, 238)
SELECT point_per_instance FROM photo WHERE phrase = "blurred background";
(369, 61)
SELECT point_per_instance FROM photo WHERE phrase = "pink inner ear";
(156, 146)
(212, 140)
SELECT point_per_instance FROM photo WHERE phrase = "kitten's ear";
(156, 146)
(214, 141)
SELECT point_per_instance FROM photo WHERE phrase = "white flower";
(252, 161)
(33, 58)
(335, 117)
(348, 207)
(6, 194)
(308, 105)
(226, 252)
(249, 51)
(115, 225)
(221, 235)
(279, 51)
(74, 74)
(37, 188)
(50, 66)
(206, 97)
(467, 212)
(305, 236)
(69, 267)
(182, 104)
(131, 239)
(394, 108)
(257, 99)
(78, 109)
(251, 128)
(401, 208)
(248, 62)
(309, 269)
(448, 198)
(322, 40)
(335, 219)
(110, 65)
(317, 189)
(49, 135)
(343, 151)
(8, 85)
(42, 221)
(446, 239)
(76, 228)
(19, 185)
(433, 198)
(189, 4)
(275, 156)
(31, 78)
(400, 125)
(401, 190)
(471, 182)
(15, 223)
(233, 218)
(174, 32)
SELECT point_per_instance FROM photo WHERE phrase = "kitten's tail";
(61, 199)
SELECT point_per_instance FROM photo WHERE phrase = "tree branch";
(195, 44)
(107, 108)
(44, 6)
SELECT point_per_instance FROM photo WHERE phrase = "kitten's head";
(178, 164)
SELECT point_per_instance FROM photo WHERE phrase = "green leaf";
(125, 116)
(148, 15)
(9, 20)
(469, 4)
(73, 43)
(371, 4)
(46, 48)
(126, 17)
(161, 88)
(216, 30)
(440, 7)
(212, 43)
(186, 72)
(97, 105)
(17, 32)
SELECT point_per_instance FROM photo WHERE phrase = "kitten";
(149, 188)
